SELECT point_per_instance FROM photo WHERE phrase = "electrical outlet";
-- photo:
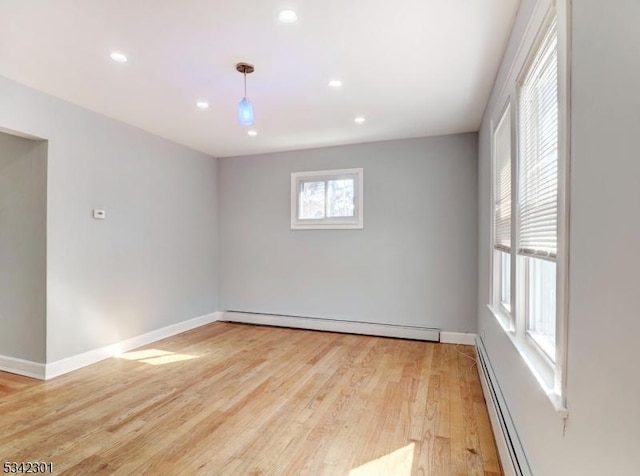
(99, 214)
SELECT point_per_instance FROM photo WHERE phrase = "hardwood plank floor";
(233, 399)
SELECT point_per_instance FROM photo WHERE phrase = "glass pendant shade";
(245, 112)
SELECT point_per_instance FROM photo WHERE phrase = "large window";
(327, 199)
(529, 256)
(502, 216)
(538, 191)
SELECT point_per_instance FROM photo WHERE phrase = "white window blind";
(538, 163)
(502, 183)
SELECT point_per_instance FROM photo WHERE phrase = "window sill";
(504, 319)
(543, 372)
(327, 226)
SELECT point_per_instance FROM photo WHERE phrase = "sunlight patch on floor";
(156, 356)
(144, 354)
(168, 359)
(398, 463)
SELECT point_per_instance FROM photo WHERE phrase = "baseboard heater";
(334, 325)
(512, 455)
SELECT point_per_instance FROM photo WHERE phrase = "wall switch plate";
(99, 214)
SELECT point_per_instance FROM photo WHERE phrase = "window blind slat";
(538, 159)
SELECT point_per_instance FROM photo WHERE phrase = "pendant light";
(245, 108)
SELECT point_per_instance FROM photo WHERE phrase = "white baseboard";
(331, 325)
(512, 456)
(75, 362)
(22, 367)
(462, 338)
(69, 364)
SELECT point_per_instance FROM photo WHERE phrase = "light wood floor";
(247, 400)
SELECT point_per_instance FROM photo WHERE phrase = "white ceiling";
(411, 67)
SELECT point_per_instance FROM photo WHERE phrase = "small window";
(327, 199)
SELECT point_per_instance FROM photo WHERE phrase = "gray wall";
(23, 228)
(414, 263)
(152, 262)
(602, 377)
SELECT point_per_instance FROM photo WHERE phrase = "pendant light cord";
(245, 83)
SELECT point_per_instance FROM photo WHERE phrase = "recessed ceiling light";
(252, 133)
(335, 83)
(287, 16)
(359, 120)
(118, 57)
(202, 105)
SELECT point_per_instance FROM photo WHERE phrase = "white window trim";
(551, 376)
(504, 317)
(341, 223)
